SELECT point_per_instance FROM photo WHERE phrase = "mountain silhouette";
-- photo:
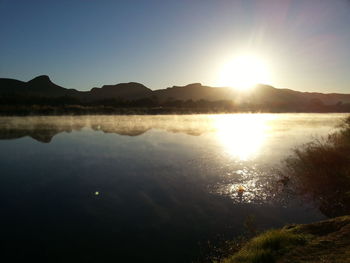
(131, 90)
(44, 86)
(40, 86)
(195, 91)
(264, 96)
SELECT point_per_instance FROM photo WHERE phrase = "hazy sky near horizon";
(84, 43)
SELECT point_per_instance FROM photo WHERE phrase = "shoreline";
(83, 111)
(322, 241)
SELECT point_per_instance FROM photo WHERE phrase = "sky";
(88, 43)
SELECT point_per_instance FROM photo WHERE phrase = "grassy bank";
(325, 241)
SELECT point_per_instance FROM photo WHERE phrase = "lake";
(146, 188)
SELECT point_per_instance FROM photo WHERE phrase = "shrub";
(321, 169)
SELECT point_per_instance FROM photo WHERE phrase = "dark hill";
(40, 86)
(265, 93)
(41, 90)
(260, 95)
(12, 86)
(194, 92)
(130, 91)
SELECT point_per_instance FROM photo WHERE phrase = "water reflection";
(164, 177)
(44, 129)
(253, 184)
(242, 135)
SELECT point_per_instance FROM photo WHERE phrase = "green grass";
(267, 247)
(324, 241)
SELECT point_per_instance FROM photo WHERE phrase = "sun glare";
(244, 72)
(242, 135)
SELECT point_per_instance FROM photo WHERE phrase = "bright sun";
(243, 72)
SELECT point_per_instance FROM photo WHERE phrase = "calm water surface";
(146, 188)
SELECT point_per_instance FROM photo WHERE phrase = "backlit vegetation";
(321, 171)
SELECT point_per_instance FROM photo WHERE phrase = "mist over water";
(102, 187)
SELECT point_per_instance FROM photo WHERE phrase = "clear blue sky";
(86, 43)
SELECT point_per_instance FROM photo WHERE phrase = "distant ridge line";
(263, 97)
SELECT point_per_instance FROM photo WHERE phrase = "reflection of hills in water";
(43, 129)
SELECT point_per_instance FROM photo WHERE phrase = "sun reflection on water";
(249, 185)
(242, 135)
